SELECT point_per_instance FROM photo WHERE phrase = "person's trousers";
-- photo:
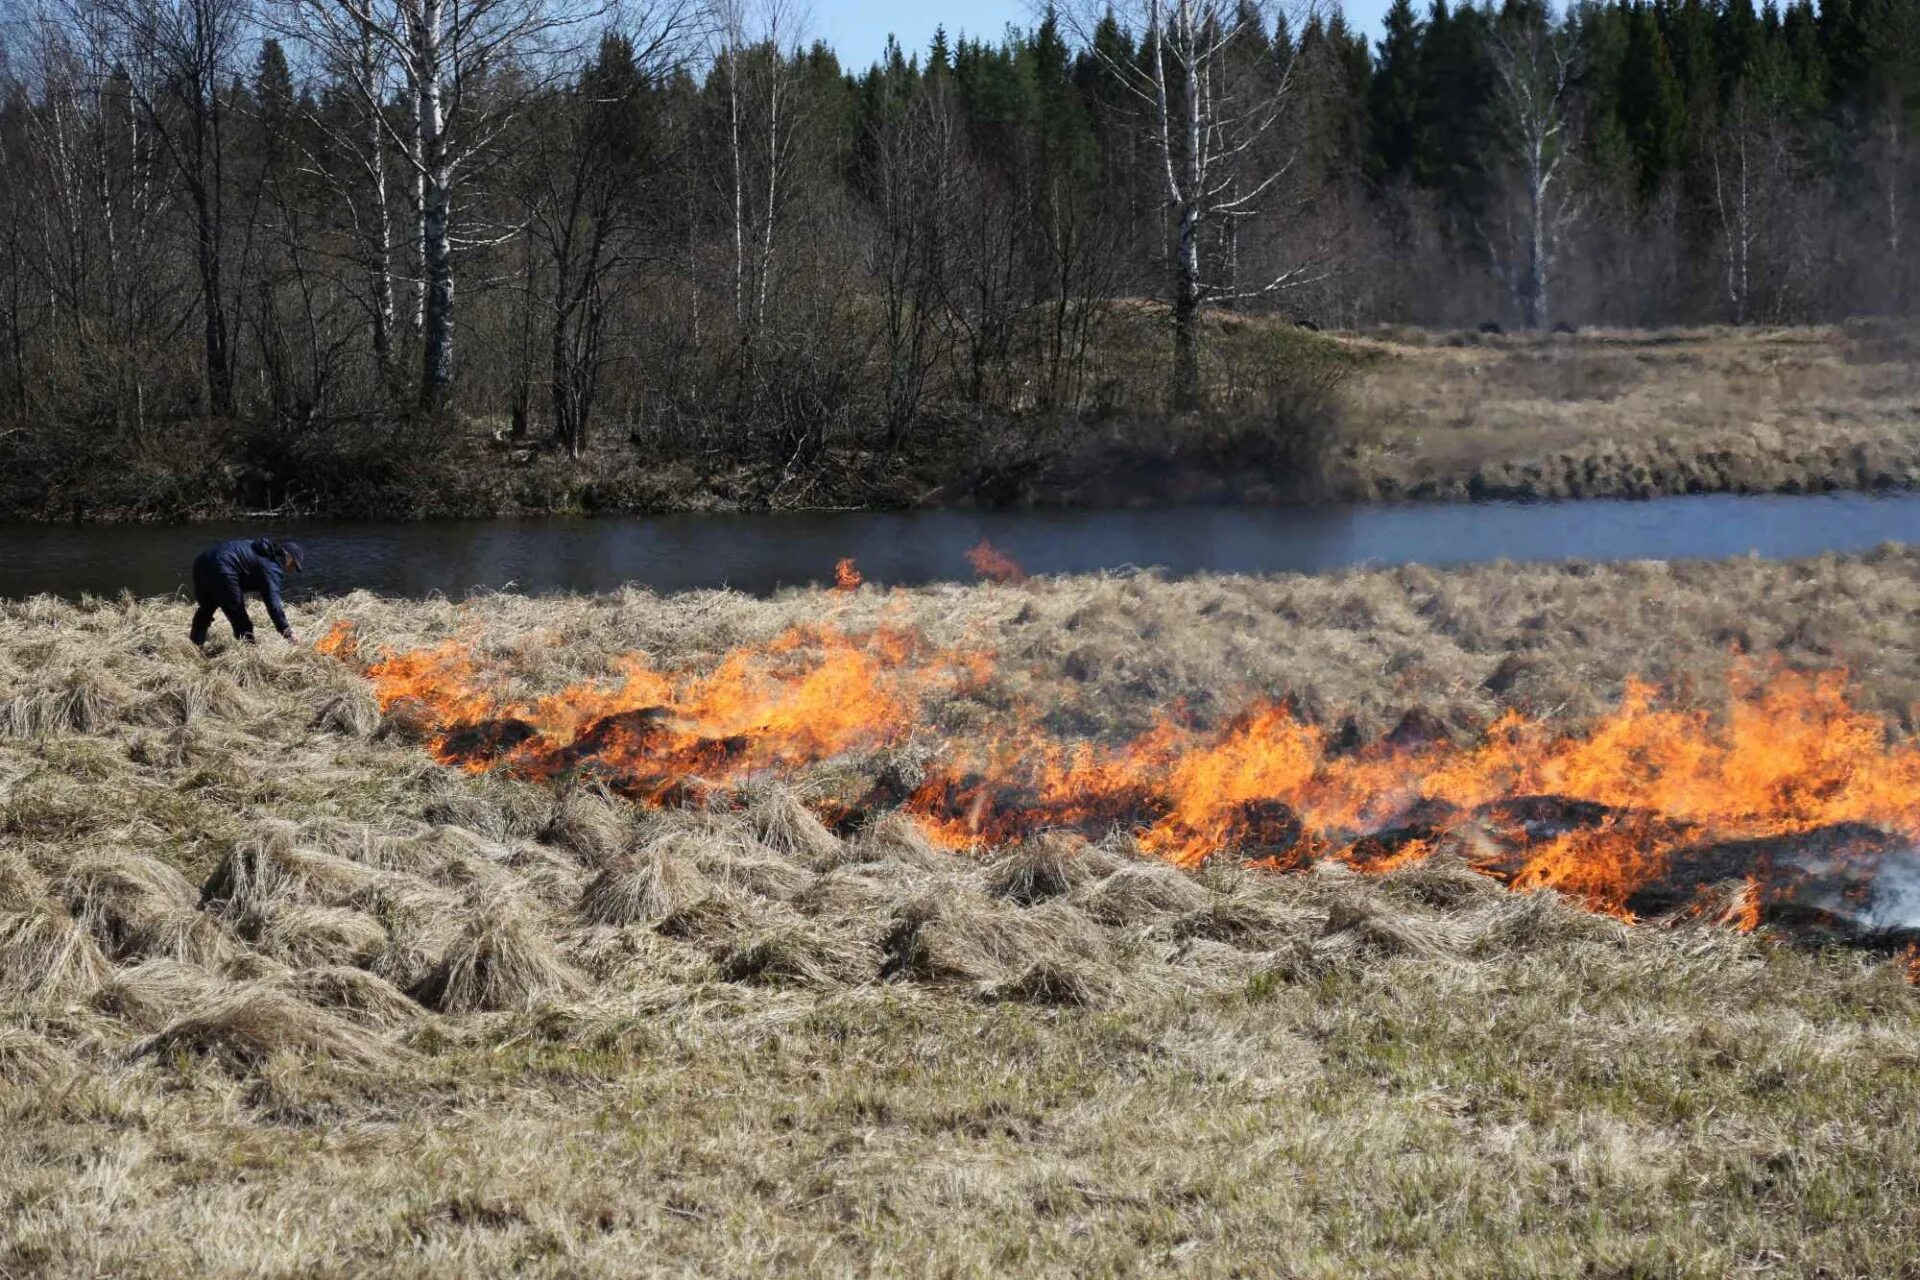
(215, 589)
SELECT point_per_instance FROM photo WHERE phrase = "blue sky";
(857, 29)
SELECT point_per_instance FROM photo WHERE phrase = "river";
(760, 553)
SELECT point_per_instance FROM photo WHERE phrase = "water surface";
(760, 553)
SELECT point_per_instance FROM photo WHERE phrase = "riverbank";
(1381, 416)
(1622, 414)
(280, 993)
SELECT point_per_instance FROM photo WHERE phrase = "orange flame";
(995, 565)
(1652, 796)
(846, 575)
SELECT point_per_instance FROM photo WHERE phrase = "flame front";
(1786, 790)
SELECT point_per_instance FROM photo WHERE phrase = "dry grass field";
(1631, 414)
(280, 995)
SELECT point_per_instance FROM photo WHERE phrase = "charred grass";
(280, 995)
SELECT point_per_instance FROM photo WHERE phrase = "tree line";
(693, 227)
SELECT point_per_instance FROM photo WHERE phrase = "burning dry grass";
(262, 962)
(1616, 414)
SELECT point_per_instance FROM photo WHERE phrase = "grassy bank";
(1618, 414)
(1389, 415)
(280, 995)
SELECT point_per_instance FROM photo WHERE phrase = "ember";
(1790, 808)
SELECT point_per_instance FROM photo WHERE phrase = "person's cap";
(291, 550)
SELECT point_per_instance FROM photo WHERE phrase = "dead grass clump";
(20, 884)
(192, 698)
(1047, 866)
(587, 822)
(1239, 921)
(502, 959)
(961, 937)
(725, 851)
(717, 919)
(46, 956)
(364, 996)
(470, 812)
(80, 700)
(29, 1059)
(349, 711)
(270, 869)
(139, 907)
(245, 1025)
(860, 889)
(803, 954)
(642, 888)
(1143, 894)
(1530, 921)
(152, 993)
(1361, 927)
(1051, 982)
(305, 935)
(783, 824)
(895, 836)
(1443, 880)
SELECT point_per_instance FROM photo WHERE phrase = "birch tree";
(1535, 69)
(451, 58)
(751, 40)
(1214, 118)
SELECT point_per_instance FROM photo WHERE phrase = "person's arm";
(270, 574)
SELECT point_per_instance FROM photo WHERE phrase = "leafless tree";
(1535, 70)
(752, 44)
(1212, 113)
(467, 68)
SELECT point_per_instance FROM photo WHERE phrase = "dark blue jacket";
(241, 566)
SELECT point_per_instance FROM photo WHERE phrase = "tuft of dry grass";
(151, 994)
(643, 888)
(30, 1060)
(46, 956)
(76, 700)
(1048, 866)
(245, 1025)
(502, 959)
(784, 825)
(589, 823)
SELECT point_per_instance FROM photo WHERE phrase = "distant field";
(1631, 414)
(279, 994)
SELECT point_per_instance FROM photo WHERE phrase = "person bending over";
(223, 575)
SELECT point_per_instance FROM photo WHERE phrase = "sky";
(858, 29)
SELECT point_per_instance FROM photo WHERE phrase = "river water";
(761, 553)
